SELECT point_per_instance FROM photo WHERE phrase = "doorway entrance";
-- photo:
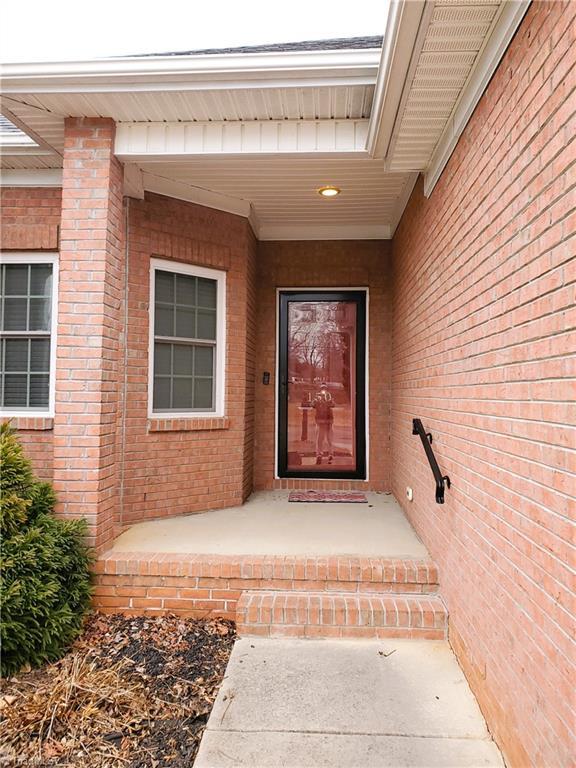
(322, 384)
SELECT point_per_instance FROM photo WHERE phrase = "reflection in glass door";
(321, 384)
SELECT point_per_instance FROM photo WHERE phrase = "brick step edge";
(266, 569)
(345, 615)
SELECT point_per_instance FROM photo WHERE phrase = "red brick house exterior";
(471, 328)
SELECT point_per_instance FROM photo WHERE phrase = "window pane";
(206, 293)
(185, 323)
(164, 321)
(16, 280)
(163, 358)
(40, 355)
(206, 324)
(204, 361)
(182, 394)
(186, 290)
(39, 390)
(39, 315)
(15, 390)
(203, 393)
(15, 314)
(164, 287)
(16, 355)
(41, 279)
(183, 358)
(161, 400)
(185, 308)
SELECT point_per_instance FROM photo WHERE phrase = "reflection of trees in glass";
(314, 334)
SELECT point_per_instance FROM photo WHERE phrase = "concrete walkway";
(345, 704)
(268, 524)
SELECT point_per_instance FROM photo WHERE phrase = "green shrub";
(45, 566)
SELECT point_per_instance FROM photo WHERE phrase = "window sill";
(188, 425)
(38, 423)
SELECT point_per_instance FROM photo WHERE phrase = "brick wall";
(30, 218)
(170, 468)
(90, 328)
(30, 221)
(325, 264)
(483, 315)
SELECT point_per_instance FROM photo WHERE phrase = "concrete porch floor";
(268, 524)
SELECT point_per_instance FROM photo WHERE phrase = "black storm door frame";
(285, 298)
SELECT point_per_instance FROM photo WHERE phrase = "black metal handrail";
(426, 437)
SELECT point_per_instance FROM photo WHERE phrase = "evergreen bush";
(45, 566)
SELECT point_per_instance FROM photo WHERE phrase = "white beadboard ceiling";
(282, 190)
(315, 103)
(322, 117)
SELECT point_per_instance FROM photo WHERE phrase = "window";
(28, 285)
(187, 333)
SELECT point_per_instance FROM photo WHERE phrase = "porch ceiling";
(258, 133)
(281, 191)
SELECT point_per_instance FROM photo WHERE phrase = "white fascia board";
(403, 201)
(148, 141)
(182, 191)
(402, 28)
(511, 14)
(133, 182)
(43, 177)
(324, 232)
(190, 72)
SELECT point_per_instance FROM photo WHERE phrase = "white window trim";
(25, 257)
(220, 367)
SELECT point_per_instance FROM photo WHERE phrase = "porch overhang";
(257, 134)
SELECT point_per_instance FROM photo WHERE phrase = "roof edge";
(174, 71)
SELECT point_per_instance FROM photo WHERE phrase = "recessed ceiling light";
(328, 191)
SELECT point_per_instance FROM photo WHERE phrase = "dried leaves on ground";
(132, 693)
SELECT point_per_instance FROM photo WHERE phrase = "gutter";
(183, 72)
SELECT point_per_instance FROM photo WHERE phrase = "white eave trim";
(45, 177)
(324, 232)
(177, 140)
(183, 191)
(402, 28)
(511, 15)
(213, 71)
(402, 201)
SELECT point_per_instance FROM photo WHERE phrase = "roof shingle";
(333, 44)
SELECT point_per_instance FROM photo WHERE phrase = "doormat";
(329, 497)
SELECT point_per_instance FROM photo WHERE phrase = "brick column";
(90, 328)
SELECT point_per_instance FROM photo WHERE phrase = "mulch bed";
(131, 693)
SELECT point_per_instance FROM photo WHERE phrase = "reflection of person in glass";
(323, 405)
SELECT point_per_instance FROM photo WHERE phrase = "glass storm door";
(322, 376)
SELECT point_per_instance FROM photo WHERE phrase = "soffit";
(282, 190)
(315, 103)
(446, 52)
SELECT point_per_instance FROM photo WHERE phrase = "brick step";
(265, 570)
(346, 615)
(200, 585)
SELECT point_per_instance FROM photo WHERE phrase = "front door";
(321, 384)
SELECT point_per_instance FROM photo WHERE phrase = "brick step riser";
(270, 569)
(280, 614)
(196, 585)
(192, 596)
